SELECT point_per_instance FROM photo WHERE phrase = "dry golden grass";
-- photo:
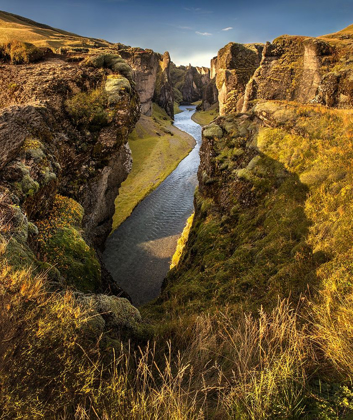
(13, 27)
(182, 242)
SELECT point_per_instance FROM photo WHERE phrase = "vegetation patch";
(89, 109)
(206, 117)
(61, 244)
(17, 52)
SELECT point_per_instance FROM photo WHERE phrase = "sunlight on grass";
(154, 156)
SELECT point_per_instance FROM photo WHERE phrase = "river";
(139, 251)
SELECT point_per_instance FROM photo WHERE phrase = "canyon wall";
(306, 70)
(232, 69)
(292, 68)
(189, 82)
(64, 153)
(151, 73)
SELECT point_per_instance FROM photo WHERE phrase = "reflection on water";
(138, 253)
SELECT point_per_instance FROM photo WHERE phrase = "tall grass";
(53, 365)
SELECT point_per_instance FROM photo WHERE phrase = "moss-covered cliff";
(189, 83)
(64, 133)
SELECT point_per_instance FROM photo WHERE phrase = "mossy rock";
(117, 313)
(116, 87)
(212, 131)
(111, 61)
(76, 261)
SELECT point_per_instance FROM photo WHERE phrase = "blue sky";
(192, 31)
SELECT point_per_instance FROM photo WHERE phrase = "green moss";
(116, 87)
(113, 62)
(89, 109)
(61, 244)
(212, 131)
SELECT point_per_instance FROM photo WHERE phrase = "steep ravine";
(138, 253)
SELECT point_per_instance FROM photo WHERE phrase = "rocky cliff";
(189, 82)
(151, 73)
(306, 70)
(64, 154)
(232, 69)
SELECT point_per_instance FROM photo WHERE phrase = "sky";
(192, 31)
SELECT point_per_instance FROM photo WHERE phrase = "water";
(139, 252)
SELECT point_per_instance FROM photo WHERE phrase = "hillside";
(13, 27)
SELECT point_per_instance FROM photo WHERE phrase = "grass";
(206, 117)
(17, 52)
(13, 27)
(182, 242)
(157, 147)
(54, 364)
(272, 221)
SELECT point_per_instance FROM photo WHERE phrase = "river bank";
(139, 251)
(157, 146)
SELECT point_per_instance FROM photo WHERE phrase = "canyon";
(261, 289)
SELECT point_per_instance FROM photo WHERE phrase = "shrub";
(20, 52)
(89, 109)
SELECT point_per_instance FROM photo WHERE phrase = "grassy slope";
(298, 197)
(13, 27)
(205, 117)
(154, 156)
(272, 224)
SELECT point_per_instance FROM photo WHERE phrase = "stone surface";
(303, 69)
(190, 82)
(151, 73)
(232, 69)
(63, 131)
(111, 313)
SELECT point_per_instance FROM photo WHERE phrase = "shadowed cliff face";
(151, 72)
(189, 82)
(63, 136)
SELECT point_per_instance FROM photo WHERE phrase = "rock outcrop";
(234, 66)
(64, 153)
(151, 73)
(190, 82)
(305, 70)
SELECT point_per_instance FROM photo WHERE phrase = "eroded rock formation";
(232, 69)
(306, 70)
(64, 154)
(151, 73)
(190, 82)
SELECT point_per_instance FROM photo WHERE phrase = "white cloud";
(185, 27)
(198, 10)
(198, 59)
(203, 33)
(228, 29)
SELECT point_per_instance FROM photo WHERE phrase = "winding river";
(139, 251)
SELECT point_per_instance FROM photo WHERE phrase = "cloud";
(197, 10)
(199, 59)
(228, 29)
(203, 33)
(184, 27)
